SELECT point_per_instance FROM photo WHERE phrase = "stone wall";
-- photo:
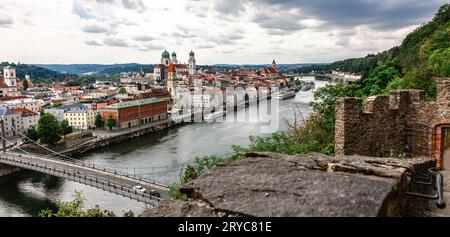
(371, 128)
(385, 123)
(277, 185)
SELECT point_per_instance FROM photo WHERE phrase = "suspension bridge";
(117, 180)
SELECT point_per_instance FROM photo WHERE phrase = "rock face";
(272, 185)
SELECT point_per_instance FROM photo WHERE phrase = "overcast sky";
(218, 31)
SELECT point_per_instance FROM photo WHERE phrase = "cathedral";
(177, 70)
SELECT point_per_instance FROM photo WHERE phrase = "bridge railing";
(84, 179)
(162, 176)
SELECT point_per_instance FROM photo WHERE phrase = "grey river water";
(28, 192)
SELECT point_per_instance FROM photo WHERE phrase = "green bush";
(75, 208)
(175, 194)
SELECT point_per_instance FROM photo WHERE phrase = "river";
(28, 192)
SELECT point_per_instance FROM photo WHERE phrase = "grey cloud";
(149, 47)
(381, 15)
(183, 33)
(282, 22)
(205, 46)
(199, 10)
(133, 4)
(128, 4)
(201, 14)
(343, 41)
(93, 43)
(106, 1)
(230, 7)
(115, 42)
(82, 11)
(95, 29)
(125, 22)
(226, 39)
(5, 21)
(143, 38)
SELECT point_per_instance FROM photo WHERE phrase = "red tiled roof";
(6, 98)
(154, 92)
(268, 71)
(25, 112)
(181, 66)
(171, 68)
(2, 83)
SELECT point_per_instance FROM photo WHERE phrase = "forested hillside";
(37, 74)
(98, 68)
(423, 56)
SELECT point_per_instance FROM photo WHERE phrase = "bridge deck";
(102, 179)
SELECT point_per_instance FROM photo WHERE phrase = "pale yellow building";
(80, 118)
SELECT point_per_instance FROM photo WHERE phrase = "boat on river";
(306, 87)
(210, 117)
(285, 94)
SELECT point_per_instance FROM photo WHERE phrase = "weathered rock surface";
(270, 185)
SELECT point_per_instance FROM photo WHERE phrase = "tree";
(98, 121)
(48, 129)
(75, 208)
(25, 84)
(110, 122)
(31, 134)
(379, 79)
(439, 62)
(122, 90)
(65, 128)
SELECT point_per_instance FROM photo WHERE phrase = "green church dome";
(191, 53)
(174, 54)
(165, 54)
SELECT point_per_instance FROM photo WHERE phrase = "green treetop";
(48, 129)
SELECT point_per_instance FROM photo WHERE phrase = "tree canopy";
(65, 128)
(48, 129)
(98, 121)
(110, 122)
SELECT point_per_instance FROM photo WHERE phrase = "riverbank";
(98, 139)
(81, 144)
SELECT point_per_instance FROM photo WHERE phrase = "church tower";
(171, 80)
(165, 58)
(274, 65)
(174, 58)
(10, 77)
(192, 64)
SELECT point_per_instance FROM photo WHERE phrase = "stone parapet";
(277, 185)
(402, 122)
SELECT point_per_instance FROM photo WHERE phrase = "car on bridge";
(139, 189)
(154, 193)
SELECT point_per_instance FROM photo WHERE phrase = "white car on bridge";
(139, 189)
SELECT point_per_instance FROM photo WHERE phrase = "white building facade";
(12, 122)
